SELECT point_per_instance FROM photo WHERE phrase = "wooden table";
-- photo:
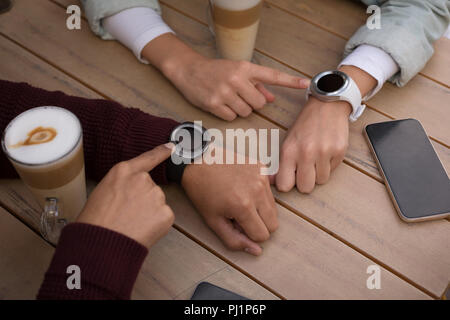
(326, 240)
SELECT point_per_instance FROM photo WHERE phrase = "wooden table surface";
(326, 240)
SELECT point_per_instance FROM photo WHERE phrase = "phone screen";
(208, 291)
(415, 176)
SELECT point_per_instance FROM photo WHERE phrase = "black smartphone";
(414, 175)
(208, 291)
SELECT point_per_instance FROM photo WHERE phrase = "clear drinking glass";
(235, 24)
(58, 183)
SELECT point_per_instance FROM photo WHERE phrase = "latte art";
(37, 136)
(45, 145)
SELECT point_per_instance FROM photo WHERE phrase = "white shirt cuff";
(447, 33)
(375, 62)
(135, 28)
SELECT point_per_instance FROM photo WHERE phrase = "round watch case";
(198, 144)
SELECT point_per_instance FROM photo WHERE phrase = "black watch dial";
(331, 82)
(191, 140)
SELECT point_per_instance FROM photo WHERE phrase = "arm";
(111, 133)
(96, 10)
(227, 89)
(318, 140)
(408, 31)
(125, 215)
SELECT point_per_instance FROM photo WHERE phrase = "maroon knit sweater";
(109, 261)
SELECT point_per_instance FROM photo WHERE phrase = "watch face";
(331, 82)
(191, 140)
(5, 5)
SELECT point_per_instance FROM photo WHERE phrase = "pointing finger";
(150, 159)
(278, 78)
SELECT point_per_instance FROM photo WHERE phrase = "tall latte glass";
(235, 25)
(45, 145)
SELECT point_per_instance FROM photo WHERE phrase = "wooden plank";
(170, 269)
(299, 261)
(147, 85)
(24, 259)
(310, 50)
(438, 66)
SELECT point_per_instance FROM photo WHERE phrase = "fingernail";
(170, 146)
(252, 251)
(304, 82)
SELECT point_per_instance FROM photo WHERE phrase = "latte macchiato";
(236, 25)
(45, 146)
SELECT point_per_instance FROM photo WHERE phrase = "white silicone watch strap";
(353, 96)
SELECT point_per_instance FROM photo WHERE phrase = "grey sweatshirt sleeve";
(96, 10)
(408, 30)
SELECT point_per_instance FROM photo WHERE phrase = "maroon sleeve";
(111, 132)
(108, 263)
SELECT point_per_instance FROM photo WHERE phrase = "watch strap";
(353, 96)
(175, 171)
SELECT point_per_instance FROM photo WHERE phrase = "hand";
(318, 141)
(128, 201)
(229, 89)
(235, 201)
(314, 146)
(224, 88)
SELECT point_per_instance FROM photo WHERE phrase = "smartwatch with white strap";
(337, 86)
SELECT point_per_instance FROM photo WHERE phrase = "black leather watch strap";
(175, 171)
(185, 152)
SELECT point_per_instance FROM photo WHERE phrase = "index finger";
(150, 159)
(278, 78)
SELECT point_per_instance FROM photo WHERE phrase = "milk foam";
(65, 123)
(236, 5)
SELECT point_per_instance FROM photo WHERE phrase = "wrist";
(170, 55)
(175, 67)
(338, 107)
(365, 82)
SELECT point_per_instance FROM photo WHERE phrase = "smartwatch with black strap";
(191, 142)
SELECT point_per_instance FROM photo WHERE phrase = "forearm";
(169, 54)
(111, 132)
(108, 263)
(144, 32)
(408, 31)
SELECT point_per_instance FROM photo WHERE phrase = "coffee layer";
(53, 175)
(234, 19)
